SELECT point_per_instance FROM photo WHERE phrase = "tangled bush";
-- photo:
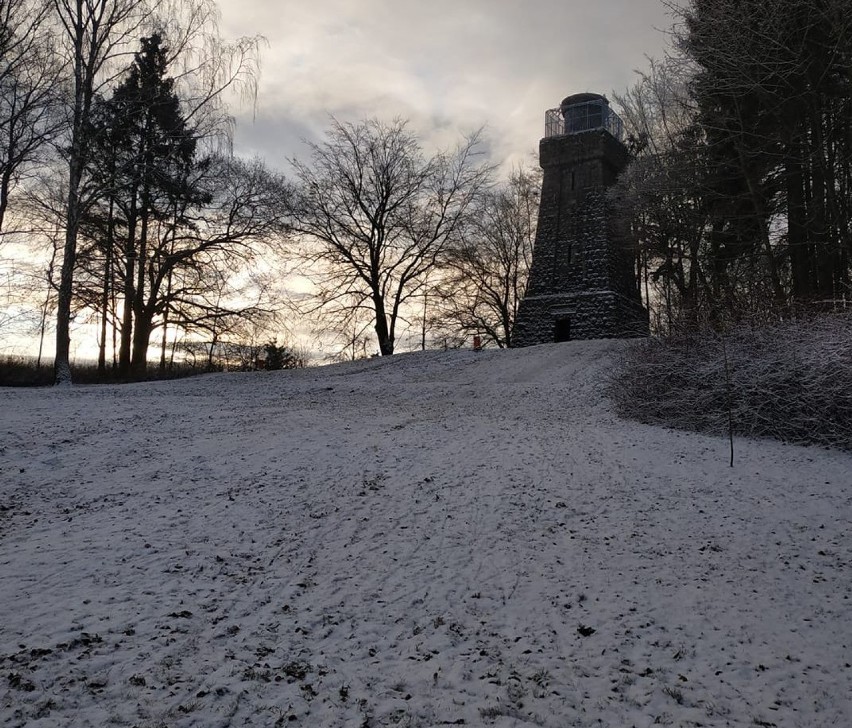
(791, 381)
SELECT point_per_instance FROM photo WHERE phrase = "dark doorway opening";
(562, 329)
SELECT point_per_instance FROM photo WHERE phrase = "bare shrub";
(790, 380)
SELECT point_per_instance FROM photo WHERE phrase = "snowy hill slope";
(431, 539)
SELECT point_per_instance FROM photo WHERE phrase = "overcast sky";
(450, 66)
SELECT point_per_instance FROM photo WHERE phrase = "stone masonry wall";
(581, 269)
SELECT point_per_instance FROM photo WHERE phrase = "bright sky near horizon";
(450, 66)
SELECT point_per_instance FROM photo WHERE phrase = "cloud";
(449, 66)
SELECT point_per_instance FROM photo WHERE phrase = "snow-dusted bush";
(790, 380)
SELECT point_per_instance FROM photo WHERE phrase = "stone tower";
(581, 283)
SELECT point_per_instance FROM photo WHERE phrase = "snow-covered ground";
(431, 539)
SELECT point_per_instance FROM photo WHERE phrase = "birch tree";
(94, 33)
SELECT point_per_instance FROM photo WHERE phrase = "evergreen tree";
(774, 93)
(741, 196)
(144, 159)
(159, 149)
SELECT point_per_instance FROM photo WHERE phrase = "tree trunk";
(797, 235)
(105, 297)
(5, 183)
(214, 340)
(818, 223)
(142, 328)
(51, 267)
(423, 322)
(124, 351)
(62, 363)
(76, 166)
(382, 332)
(141, 319)
(165, 323)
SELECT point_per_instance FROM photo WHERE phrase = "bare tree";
(243, 346)
(662, 199)
(29, 71)
(377, 215)
(485, 275)
(196, 258)
(94, 32)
